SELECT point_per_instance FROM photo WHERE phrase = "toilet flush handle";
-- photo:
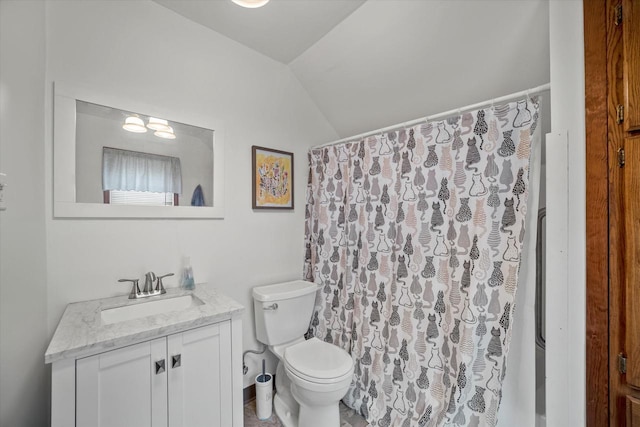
(273, 306)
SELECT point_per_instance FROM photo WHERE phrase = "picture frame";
(272, 178)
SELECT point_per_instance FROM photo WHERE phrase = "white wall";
(23, 291)
(566, 212)
(391, 61)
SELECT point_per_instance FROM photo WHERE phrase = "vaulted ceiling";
(282, 30)
(374, 63)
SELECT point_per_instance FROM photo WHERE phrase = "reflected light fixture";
(158, 124)
(167, 134)
(134, 124)
(252, 4)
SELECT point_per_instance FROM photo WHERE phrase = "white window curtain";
(131, 170)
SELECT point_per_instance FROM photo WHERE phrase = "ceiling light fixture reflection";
(134, 124)
(158, 124)
(166, 134)
(251, 4)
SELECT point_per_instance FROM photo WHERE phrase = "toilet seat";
(318, 362)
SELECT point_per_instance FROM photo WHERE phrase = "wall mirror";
(117, 158)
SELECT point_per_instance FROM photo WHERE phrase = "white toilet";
(312, 376)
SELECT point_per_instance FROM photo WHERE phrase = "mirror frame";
(64, 158)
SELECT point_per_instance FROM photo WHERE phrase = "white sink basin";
(148, 308)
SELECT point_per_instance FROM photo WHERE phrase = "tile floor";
(348, 417)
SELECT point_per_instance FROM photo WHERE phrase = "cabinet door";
(200, 388)
(633, 412)
(123, 388)
(632, 258)
(631, 64)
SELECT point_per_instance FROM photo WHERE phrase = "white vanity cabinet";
(176, 368)
(177, 381)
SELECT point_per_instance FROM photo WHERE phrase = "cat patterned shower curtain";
(415, 237)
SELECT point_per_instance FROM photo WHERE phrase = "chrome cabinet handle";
(159, 366)
(176, 361)
(273, 306)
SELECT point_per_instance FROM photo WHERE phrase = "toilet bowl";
(320, 376)
(312, 375)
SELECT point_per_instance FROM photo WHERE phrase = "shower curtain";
(415, 237)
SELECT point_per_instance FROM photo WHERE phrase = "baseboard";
(249, 394)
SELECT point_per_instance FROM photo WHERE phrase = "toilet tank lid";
(281, 291)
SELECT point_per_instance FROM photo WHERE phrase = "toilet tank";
(283, 311)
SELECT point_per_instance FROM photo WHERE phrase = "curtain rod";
(538, 89)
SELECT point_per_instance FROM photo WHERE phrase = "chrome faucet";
(148, 290)
(148, 282)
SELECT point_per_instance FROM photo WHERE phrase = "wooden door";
(631, 63)
(200, 377)
(612, 101)
(123, 388)
(631, 190)
(624, 134)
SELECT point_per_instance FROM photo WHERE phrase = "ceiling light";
(252, 4)
(167, 134)
(158, 124)
(134, 124)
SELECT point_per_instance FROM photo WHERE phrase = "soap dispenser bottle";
(187, 281)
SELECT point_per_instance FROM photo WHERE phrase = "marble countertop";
(81, 331)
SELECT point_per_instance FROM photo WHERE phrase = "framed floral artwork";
(272, 183)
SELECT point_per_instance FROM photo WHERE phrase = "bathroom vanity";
(169, 360)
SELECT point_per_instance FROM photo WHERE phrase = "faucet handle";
(135, 289)
(159, 286)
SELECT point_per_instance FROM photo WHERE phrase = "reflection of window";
(131, 177)
(119, 197)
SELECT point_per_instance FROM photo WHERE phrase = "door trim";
(597, 220)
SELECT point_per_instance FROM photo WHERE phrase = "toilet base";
(316, 416)
(287, 416)
(319, 416)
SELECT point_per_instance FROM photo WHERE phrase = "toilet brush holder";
(264, 396)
